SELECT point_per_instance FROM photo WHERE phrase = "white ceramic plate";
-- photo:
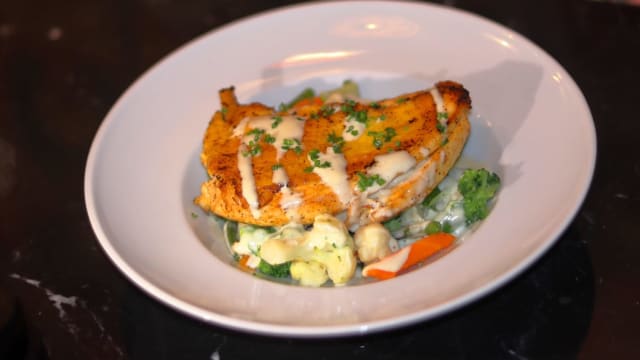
(531, 124)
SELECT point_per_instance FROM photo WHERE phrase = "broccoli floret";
(348, 89)
(304, 94)
(477, 187)
(277, 271)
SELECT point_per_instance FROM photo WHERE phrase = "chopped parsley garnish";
(275, 167)
(402, 100)
(442, 116)
(292, 144)
(269, 139)
(382, 117)
(337, 142)
(194, 215)
(375, 105)
(365, 182)
(314, 155)
(352, 130)
(256, 133)
(276, 121)
(253, 148)
(327, 110)
(360, 116)
(224, 112)
(348, 107)
(381, 137)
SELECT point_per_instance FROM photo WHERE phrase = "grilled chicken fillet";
(364, 161)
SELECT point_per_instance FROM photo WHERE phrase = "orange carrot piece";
(381, 274)
(242, 263)
(418, 251)
(427, 246)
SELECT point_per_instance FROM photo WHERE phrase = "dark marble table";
(63, 64)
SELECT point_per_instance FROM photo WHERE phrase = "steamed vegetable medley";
(328, 253)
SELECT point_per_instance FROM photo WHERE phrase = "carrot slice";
(242, 263)
(427, 246)
(418, 251)
(380, 274)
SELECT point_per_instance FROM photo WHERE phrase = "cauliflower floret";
(309, 273)
(250, 239)
(340, 263)
(373, 242)
(327, 232)
(276, 251)
(328, 244)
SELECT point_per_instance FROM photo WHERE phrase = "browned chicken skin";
(408, 124)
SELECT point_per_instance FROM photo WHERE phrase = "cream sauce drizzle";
(440, 108)
(352, 129)
(425, 151)
(281, 128)
(240, 129)
(388, 166)
(421, 176)
(289, 128)
(289, 202)
(245, 165)
(335, 176)
(280, 176)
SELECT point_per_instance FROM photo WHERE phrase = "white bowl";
(530, 123)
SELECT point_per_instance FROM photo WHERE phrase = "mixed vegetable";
(328, 251)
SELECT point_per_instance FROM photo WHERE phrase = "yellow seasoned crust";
(412, 117)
